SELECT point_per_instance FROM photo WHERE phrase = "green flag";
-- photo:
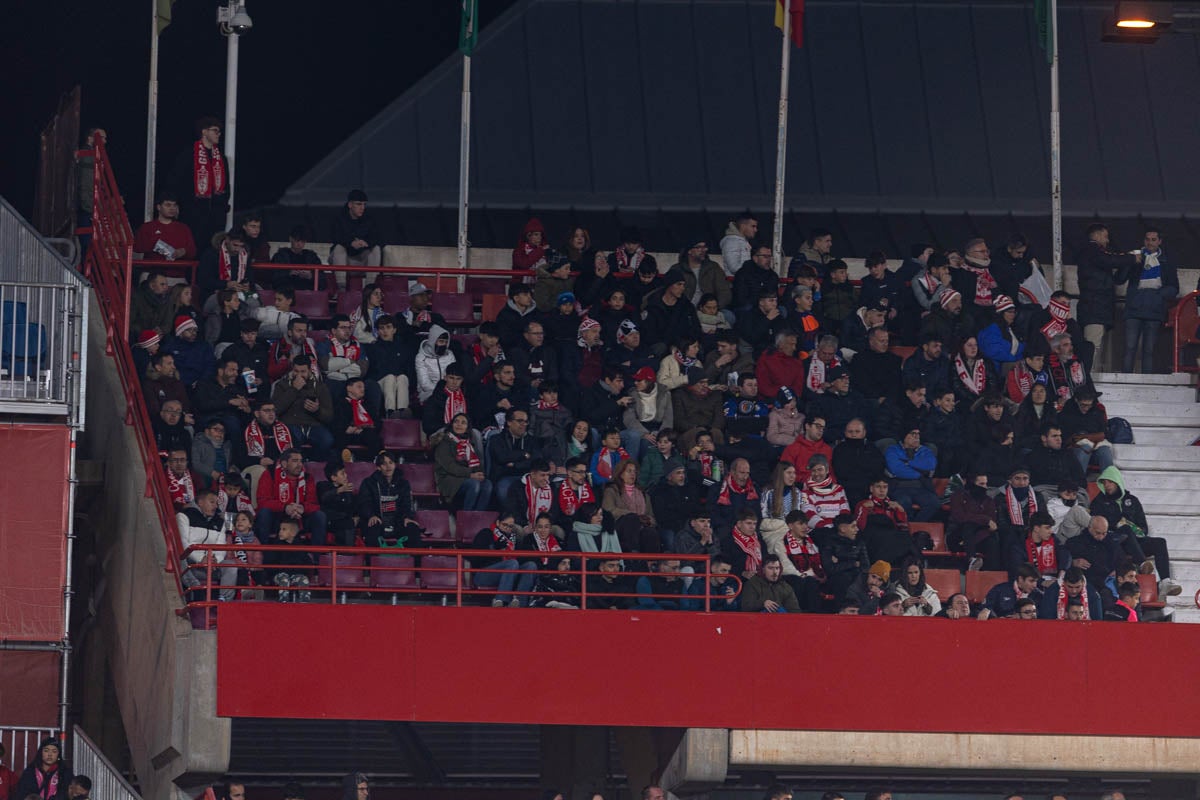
(164, 13)
(1041, 13)
(468, 31)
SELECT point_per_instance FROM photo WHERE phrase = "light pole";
(233, 21)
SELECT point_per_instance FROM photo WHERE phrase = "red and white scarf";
(929, 283)
(1014, 505)
(1061, 608)
(181, 487)
(283, 486)
(706, 460)
(359, 413)
(1059, 310)
(351, 349)
(976, 379)
(570, 499)
(1044, 556)
(1023, 377)
(627, 263)
(803, 552)
(984, 282)
(542, 405)
(498, 535)
(283, 352)
(728, 486)
(225, 265)
(208, 176)
(604, 464)
(464, 453)
(242, 504)
(537, 500)
(816, 373)
(547, 545)
(752, 547)
(256, 445)
(822, 488)
(456, 403)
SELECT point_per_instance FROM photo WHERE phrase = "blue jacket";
(1151, 303)
(996, 347)
(695, 601)
(647, 586)
(194, 360)
(910, 468)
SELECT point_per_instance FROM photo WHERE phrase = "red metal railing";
(108, 265)
(346, 579)
(1183, 321)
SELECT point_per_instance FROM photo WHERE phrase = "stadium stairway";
(1162, 467)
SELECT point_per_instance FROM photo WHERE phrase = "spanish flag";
(796, 8)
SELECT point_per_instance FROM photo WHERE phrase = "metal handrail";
(1183, 315)
(107, 781)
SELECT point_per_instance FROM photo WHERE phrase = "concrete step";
(1178, 526)
(1161, 433)
(1172, 415)
(1173, 379)
(1169, 502)
(1183, 605)
(1150, 453)
(1125, 392)
(1139, 481)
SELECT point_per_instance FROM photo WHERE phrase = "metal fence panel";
(107, 782)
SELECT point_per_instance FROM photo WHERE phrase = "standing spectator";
(1100, 270)
(355, 240)
(815, 252)
(303, 404)
(754, 279)
(165, 236)
(735, 244)
(1147, 297)
(845, 558)
(1012, 265)
(385, 506)
(856, 461)
(285, 493)
(703, 275)
(200, 178)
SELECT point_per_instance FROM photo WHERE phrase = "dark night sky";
(310, 74)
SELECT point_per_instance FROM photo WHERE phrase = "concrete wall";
(163, 671)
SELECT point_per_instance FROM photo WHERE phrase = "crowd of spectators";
(792, 431)
(47, 777)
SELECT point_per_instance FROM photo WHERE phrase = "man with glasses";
(182, 481)
(974, 280)
(201, 179)
(170, 433)
(532, 359)
(512, 451)
(753, 279)
(573, 493)
(808, 444)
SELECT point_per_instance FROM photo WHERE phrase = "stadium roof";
(934, 106)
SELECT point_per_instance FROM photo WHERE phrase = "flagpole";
(781, 140)
(152, 113)
(464, 158)
(1055, 153)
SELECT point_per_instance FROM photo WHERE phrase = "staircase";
(1161, 467)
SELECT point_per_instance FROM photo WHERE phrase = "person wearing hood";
(531, 251)
(735, 244)
(1071, 515)
(46, 776)
(1127, 520)
(669, 313)
(1150, 291)
(433, 357)
(516, 314)
(703, 275)
(552, 280)
(355, 786)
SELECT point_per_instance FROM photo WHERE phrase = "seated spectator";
(649, 413)
(766, 592)
(242, 533)
(577, 443)
(529, 495)
(721, 594)
(419, 317)
(223, 327)
(161, 383)
(533, 359)
(303, 403)
(495, 399)
(973, 528)
(1050, 465)
(680, 366)
(1124, 609)
(822, 499)
(1085, 428)
(802, 319)
(165, 236)
(999, 457)
(516, 314)
(856, 461)
(1056, 320)
(942, 428)
(531, 251)
(562, 322)
(1072, 586)
(287, 566)
(662, 591)
(949, 320)
(549, 419)
(542, 538)
(433, 359)
(170, 433)
(779, 367)
(801, 560)
(957, 607)
(604, 462)
(1067, 372)
(385, 506)
(629, 354)
(1040, 549)
(285, 493)
(253, 356)
(511, 452)
(735, 242)
(1027, 373)
(592, 530)
(274, 320)
(695, 537)
(972, 276)
(654, 458)
(582, 365)
(760, 455)
(785, 423)
(974, 376)
(1002, 599)
(988, 417)
(760, 326)
(669, 313)
(631, 255)
(223, 396)
(713, 319)
(810, 444)
(880, 287)
(1070, 512)
(839, 404)
(212, 453)
(880, 510)
(1016, 505)
(365, 318)
(446, 401)
(705, 470)
(733, 496)
(557, 589)
(743, 547)
(502, 570)
(747, 413)
(1097, 553)
(296, 343)
(340, 356)
(355, 239)
(823, 359)
(150, 307)
(181, 303)
(917, 598)
(1127, 519)
(868, 585)
(182, 482)
(927, 366)
(226, 265)
(392, 362)
(458, 470)
(551, 280)
(815, 252)
(932, 283)
(608, 588)
(913, 465)
(202, 523)
(622, 495)
(839, 297)
(724, 365)
(297, 252)
(574, 492)
(783, 496)
(339, 503)
(999, 341)
(894, 419)
(194, 358)
(857, 327)
(1036, 414)
(875, 371)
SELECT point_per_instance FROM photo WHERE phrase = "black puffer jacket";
(1100, 270)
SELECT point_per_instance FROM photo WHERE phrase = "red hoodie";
(276, 490)
(526, 255)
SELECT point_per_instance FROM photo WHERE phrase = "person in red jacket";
(165, 236)
(531, 251)
(778, 367)
(286, 492)
(808, 444)
(8, 778)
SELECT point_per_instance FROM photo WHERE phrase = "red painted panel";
(33, 545)
(29, 689)
(429, 663)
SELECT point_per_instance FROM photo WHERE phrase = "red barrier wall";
(33, 514)
(675, 669)
(29, 689)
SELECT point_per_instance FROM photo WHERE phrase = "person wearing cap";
(629, 353)
(754, 278)
(534, 360)
(354, 237)
(703, 275)
(880, 287)
(999, 342)
(631, 255)
(1054, 320)
(418, 318)
(931, 281)
(551, 280)
(839, 404)
(735, 243)
(949, 318)
(779, 367)
(531, 251)
(562, 322)
(928, 365)
(649, 413)
(669, 314)
(676, 500)
(1100, 269)
(581, 364)
(785, 422)
(194, 357)
(1085, 429)
(165, 236)
(200, 179)
(517, 312)
(145, 346)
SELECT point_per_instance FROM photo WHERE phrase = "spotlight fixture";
(1137, 22)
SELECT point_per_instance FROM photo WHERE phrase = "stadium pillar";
(781, 139)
